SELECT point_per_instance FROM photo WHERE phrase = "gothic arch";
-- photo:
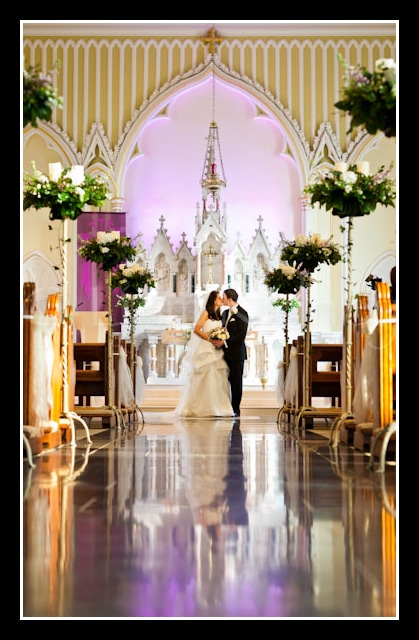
(38, 268)
(297, 146)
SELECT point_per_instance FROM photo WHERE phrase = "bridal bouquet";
(220, 333)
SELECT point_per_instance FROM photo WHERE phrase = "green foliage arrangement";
(108, 249)
(286, 304)
(286, 279)
(132, 278)
(350, 192)
(65, 192)
(309, 252)
(39, 96)
(370, 97)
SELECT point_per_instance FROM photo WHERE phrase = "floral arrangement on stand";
(65, 191)
(107, 250)
(350, 190)
(309, 252)
(132, 279)
(286, 279)
(370, 98)
(39, 96)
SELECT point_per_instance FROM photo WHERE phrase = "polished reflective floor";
(208, 519)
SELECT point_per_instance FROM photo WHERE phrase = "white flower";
(385, 63)
(288, 271)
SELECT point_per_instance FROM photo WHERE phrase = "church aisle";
(207, 519)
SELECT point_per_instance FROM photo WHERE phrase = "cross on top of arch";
(212, 38)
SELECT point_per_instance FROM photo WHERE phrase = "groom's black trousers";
(236, 383)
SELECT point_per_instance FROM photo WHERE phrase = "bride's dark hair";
(213, 313)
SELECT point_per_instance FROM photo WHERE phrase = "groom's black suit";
(235, 353)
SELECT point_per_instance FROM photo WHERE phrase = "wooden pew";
(347, 425)
(368, 434)
(384, 435)
(323, 383)
(92, 381)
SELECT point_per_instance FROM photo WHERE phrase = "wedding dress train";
(204, 374)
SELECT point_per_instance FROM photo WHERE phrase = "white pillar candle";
(76, 174)
(55, 170)
(341, 166)
(115, 235)
(100, 236)
(363, 167)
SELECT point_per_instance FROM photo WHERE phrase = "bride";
(207, 390)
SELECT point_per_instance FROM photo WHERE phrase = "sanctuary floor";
(208, 519)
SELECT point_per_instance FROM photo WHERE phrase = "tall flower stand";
(111, 394)
(132, 357)
(285, 364)
(346, 413)
(66, 342)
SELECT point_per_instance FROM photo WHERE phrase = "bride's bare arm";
(199, 324)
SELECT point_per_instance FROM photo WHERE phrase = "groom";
(236, 321)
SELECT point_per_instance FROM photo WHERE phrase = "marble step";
(255, 399)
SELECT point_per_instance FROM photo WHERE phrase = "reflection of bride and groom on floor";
(213, 364)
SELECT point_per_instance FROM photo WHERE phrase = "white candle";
(341, 166)
(115, 235)
(76, 174)
(55, 170)
(363, 167)
(100, 236)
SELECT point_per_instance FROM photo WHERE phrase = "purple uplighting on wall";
(163, 179)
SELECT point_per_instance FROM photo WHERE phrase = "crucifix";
(212, 38)
(210, 254)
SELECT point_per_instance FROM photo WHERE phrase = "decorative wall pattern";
(115, 78)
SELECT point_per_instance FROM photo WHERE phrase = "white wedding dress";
(205, 375)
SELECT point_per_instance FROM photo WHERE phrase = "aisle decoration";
(350, 190)
(370, 98)
(108, 250)
(39, 95)
(133, 280)
(309, 253)
(286, 280)
(65, 191)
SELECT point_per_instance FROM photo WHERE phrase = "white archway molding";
(41, 270)
(298, 146)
